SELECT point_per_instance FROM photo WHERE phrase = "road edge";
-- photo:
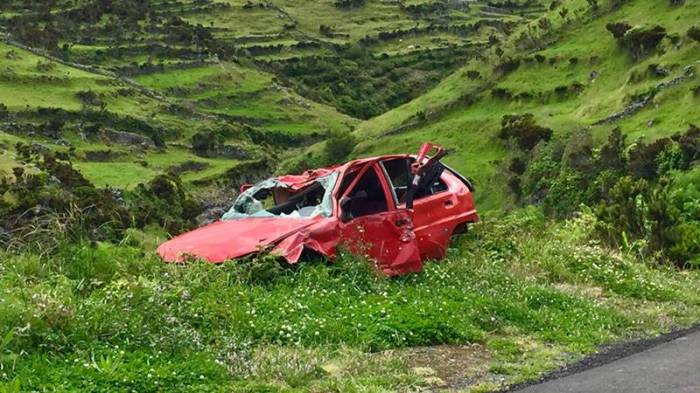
(606, 354)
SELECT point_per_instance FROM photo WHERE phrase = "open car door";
(373, 227)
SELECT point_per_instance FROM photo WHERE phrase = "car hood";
(228, 239)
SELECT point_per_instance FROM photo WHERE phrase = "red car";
(398, 210)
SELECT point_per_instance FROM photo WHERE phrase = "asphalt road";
(673, 366)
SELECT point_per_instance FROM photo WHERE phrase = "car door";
(370, 224)
(434, 207)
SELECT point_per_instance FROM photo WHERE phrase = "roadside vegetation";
(527, 294)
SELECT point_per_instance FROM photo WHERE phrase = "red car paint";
(396, 238)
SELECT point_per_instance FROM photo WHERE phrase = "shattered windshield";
(273, 198)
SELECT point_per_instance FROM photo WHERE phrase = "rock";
(424, 371)
(331, 369)
(128, 138)
(210, 215)
(233, 152)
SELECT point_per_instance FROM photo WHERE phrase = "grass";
(115, 174)
(234, 90)
(535, 293)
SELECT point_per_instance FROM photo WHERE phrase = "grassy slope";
(24, 87)
(230, 89)
(470, 130)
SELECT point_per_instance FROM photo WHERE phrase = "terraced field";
(260, 75)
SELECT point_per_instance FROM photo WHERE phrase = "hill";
(569, 72)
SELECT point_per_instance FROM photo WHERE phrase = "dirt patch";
(449, 367)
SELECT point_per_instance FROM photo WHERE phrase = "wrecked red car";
(397, 210)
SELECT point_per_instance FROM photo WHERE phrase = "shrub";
(616, 4)
(326, 30)
(642, 40)
(578, 153)
(566, 193)
(689, 144)
(57, 203)
(162, 201)
(618, 29)
(643, 158)
(88, 98)
(206, 143)
(507, 66)
(612, 154)
(622, 213)
(694, 33)
(349, 3)
(338, 146)
(524, 130)
(662, 214)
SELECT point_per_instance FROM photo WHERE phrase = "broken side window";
(273, 198)
(367, 197)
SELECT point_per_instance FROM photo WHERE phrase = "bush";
(338, 146)
(643, 158)
(44, 208)
(524, 130)
(612, 153)
(349, 3)
(565, 194)
(578, 153)
(665, 215)
(694, 33)
(162, 201)
(637, 204)
(507, 66)
(618, 29)
(642, 40)
(206, 143)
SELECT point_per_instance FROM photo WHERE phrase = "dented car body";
(397, 210)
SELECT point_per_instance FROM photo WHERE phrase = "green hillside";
(553, 81)
(125, 122)
(263, 76)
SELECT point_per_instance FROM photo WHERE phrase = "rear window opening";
(272, 198)
(398, 171)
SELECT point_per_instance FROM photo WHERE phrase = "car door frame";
(393, 215)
